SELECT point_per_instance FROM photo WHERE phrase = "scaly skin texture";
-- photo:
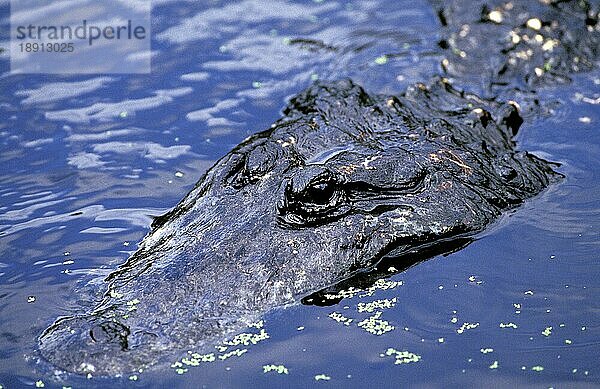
(509, 49)
(342, 180)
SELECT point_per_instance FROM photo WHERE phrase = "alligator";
(343, 182)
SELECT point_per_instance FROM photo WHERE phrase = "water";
(86, 161)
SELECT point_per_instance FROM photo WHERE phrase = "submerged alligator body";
(508, 49)
(343, 181)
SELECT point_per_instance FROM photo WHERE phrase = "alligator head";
(343, 180)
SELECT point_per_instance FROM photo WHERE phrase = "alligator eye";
(317, 198)
(322, 200)
(320, 194)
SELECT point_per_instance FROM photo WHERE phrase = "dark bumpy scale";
(343, 180)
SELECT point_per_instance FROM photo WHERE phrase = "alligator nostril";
(110, 332)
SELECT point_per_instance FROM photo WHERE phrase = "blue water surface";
(87, 160)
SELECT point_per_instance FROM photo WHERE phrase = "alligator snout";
(83, 344)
